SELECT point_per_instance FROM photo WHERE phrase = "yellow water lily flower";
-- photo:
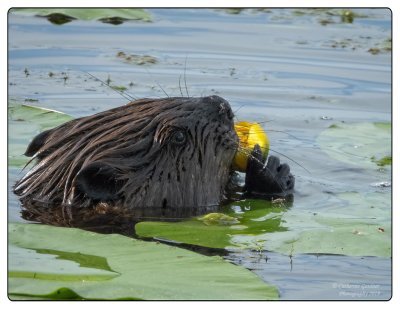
(250, 134)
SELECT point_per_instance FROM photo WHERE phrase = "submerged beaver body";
(150, 158)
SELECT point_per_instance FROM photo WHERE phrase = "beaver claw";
(273, 180)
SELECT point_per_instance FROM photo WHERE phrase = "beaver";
(151, 158)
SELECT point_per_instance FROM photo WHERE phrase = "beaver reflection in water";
(150, 158)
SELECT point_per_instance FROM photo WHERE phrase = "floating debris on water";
(384, 47)
(382, 184)
(218, 219)
(386, 160)
(119, 88)
(137, 59)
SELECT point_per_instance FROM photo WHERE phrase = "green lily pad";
(359, 226)
(59, 294)
(216, 230)
(48, 262)
(336, 236)
(25, 122)
(61, 16)
(34, 264)
(356, 144)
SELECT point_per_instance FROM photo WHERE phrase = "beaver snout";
(220, 106)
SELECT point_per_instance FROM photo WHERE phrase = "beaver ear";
(37, 143)
(98, 181)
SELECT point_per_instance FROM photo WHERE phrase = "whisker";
(265, 148)
(184, 78)
(155, 81)
(288, 134)
(349, 153)
(180, 88)
(278, 131)
(261, 131)
(248, 153)
(245, 151)
(121, 93)
(238, 109)
(291, 160)
(265, 121)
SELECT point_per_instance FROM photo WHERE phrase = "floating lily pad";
(48, 262)
(336, 236)
(61, 16)
(360, 226)
(59, 294)
(353, 228)
(356, 144)
(35, 264)
(233, 11)
(252, 217)
(346, 16)
(25, 122)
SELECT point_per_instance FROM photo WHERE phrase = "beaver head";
(166, 153)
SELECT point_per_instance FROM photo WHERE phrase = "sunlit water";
(292, 73)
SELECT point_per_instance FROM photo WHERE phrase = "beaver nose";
(221, 105)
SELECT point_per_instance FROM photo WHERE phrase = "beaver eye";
(178, 137)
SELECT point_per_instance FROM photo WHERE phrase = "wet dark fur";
(151, 157)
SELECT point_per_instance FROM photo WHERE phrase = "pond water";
(295, 71)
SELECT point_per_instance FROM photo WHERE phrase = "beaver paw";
(273, 180)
